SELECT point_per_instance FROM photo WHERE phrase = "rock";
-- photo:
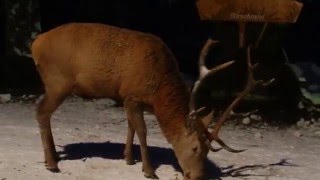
(31, 96)
(317, 133)
(301, 105)
(4, 98)
(300, 123)
(258, 135)
(307, 123)
(246, 121)
(255, 117)
(39, 99)
(303, 123)
(97, 126)
(316, 124)
(297, 134)
(312, 126)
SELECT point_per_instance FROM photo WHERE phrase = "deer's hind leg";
(50, 102)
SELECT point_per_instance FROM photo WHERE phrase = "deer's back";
(101, 60)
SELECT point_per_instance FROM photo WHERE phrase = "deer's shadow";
(242, 171)
(158, 156)
(112, 150)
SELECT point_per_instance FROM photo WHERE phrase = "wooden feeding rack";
(244, 11)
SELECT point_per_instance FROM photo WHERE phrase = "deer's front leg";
(134, 112)
(128, 149)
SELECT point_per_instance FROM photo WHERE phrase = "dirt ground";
(90, 138)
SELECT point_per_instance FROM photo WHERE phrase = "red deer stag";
(102, 61)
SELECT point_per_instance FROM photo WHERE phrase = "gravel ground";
(90, 136)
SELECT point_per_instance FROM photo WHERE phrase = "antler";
(204, 71)
(193, 117)
(251, 84)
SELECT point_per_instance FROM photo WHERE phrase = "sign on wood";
(273, 11)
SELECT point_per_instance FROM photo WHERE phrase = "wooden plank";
(274, 11)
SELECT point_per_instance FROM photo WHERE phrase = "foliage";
(22, 25)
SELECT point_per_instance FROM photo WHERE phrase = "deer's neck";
(171, 109)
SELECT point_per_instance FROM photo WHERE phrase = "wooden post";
(242, 34)
(261, 35)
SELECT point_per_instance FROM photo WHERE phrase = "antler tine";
(195, 112)
(207, 142)
(224, 146)
(204, 71)
(205, 123)
(214, 134)
(251, 84)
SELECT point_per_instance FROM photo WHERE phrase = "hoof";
(152, 176)
(129, 160)
(52, 167)
(54, 170)
(130, 163)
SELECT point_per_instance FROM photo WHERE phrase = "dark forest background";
(175, 21)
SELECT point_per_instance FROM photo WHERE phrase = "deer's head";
(193, 147)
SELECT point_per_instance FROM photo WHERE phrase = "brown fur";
(101, 61)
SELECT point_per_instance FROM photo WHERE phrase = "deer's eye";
(195, 149)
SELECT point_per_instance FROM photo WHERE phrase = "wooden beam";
(272, 11)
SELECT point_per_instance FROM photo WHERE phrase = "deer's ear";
(190, 123)
(197, 122)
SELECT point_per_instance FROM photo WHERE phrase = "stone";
(297, 134)
(97, 126)
(4, 98)
(246, 121)
(258, 135)
(307, 123)
(255, 117)
(317, 133)
(31, 96)
(301, 105)
(301, 123)
(39, 99)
